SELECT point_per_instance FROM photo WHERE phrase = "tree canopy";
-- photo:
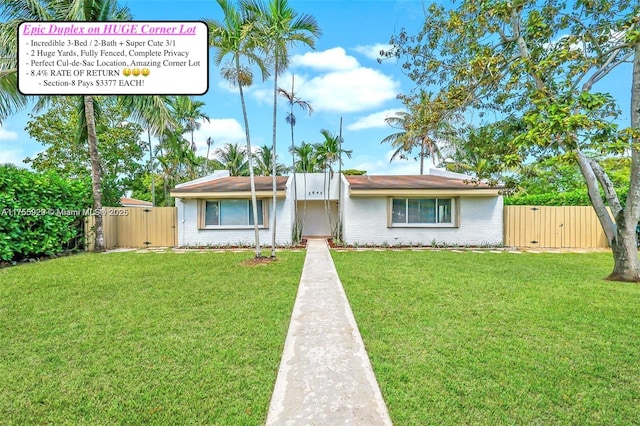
(120, 146)
(541, 62)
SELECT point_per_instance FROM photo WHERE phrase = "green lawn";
(128, 338)
(483, 338)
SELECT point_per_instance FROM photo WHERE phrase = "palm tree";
(15, 12)
(418, 128)
(176, 159)
(264, 162)
(188, 112)
(234, 158)
(235, 37)
(151, 111)
(95, 10)
(280, 27)
(209, 143)
(326, 154)
(306, 158)
(294, 100)
(155, 114)
(408, 137)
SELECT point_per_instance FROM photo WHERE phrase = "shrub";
(40, 214)
(578, 197)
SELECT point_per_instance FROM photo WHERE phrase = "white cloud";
(7, 135)
(228, 87)
(264, 95)
(9, 154)
(341, 86)
(372, 51)
(381, 167)
(373, 121)
(13, 156)
(335, 59)
(354, 90)
(384, 166)
(221, 130)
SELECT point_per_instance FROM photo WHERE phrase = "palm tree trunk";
(274, 180)
(422, 154)
(304, 207)
(153, 177)
(252, 179)
(96, 177)
(325, 198)
(339, 224)
(297, 225)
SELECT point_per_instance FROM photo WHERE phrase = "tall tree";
(188, 112)
(542, 60)
(120, 145)
(17, 11)
(306, 162)
(209, 144)
(280, 27)
(264, 162)
(13, 12)
(294, 100)
(236, 37)
(488, 153)
(155, 114)
(417, 128)
(177, 160)
(234, 158)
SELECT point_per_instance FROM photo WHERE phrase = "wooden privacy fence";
(553, 227)
(135, 227)
(524, 226)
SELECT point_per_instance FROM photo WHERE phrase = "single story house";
(364, 210)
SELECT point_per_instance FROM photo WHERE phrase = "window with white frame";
(422, 211)
(230, 213)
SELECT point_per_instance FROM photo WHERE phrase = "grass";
(484, 338)
(128, 338)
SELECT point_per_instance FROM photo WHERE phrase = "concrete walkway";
(325, 377)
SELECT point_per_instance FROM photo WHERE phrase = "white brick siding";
(364, 220)
(190, 235)
(479, 222)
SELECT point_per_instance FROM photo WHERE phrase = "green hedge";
(40, 214)
(574, 198)
(578, 197)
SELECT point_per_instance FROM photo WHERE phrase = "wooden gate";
(553, 227)
(136, 227)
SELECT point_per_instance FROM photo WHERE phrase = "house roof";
(232, 186)
(417, 185)
(134, 202)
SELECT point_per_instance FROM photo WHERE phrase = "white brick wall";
(190, 235)
(480, 222)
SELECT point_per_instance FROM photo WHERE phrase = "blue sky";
(340, 78)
